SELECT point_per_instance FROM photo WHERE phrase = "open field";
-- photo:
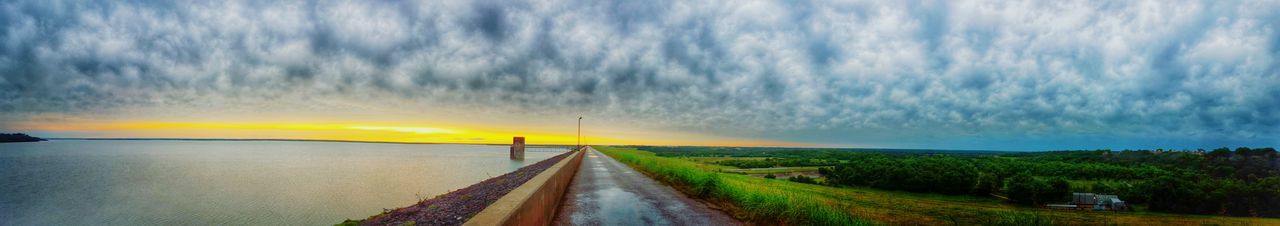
(801, 169)
(779, 201)
(713, 159)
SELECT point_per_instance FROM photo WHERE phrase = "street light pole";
(579, 132)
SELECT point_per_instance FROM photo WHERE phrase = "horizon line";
(552, 144)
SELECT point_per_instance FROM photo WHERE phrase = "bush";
(803, 179)
(944, 175)
(1028, 190)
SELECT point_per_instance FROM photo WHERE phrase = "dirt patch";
(785, 176)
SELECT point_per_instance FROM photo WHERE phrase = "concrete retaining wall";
(534, 202)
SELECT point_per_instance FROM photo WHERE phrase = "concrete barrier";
(534, 202)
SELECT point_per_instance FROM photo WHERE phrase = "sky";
(990, 75)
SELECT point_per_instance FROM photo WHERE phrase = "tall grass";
(753, 200)
(1015, 218)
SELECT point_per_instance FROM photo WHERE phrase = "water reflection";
(231, 183)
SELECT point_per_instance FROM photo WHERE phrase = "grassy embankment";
(747, 201)
(772, 201)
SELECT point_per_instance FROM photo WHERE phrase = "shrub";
(803, 179)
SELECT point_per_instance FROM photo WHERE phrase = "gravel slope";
(456, 207)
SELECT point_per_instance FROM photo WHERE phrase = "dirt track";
(606, 192)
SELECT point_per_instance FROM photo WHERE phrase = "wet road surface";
(607, 192)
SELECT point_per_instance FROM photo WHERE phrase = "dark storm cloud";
(1154, 70)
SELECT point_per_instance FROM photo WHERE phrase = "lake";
(174, 182)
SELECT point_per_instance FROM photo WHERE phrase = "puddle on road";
(609, 204)
(619, 207)
(598, 166)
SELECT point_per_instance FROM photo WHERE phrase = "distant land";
(858, 186)
(18, 137)
(719, 151)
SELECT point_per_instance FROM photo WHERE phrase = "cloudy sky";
(1006, 75)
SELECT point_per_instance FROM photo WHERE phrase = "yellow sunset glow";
(407, 133)
(418, 130)
(379, 133)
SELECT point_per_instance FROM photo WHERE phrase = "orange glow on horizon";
(359, 132)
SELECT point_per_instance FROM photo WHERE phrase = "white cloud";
(759, 68)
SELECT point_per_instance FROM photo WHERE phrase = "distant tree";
(802, 179)
(825, 171)
(987, 182)
(1027, 190)
(1022, 189)
(17, 137)
(1173, 194)
(1220, 153)
(1059, 189)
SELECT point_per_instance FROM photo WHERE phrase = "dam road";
(607, 192)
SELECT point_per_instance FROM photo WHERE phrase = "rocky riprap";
(456, 207)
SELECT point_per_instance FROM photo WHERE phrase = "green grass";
(348, 222)
(766, 201)
(750, 201)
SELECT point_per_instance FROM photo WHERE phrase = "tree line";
(18, 137)
(1238, 182)
(1244, 182)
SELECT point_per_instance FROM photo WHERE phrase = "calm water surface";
(81, 182)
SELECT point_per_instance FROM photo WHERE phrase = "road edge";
(536, 201)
